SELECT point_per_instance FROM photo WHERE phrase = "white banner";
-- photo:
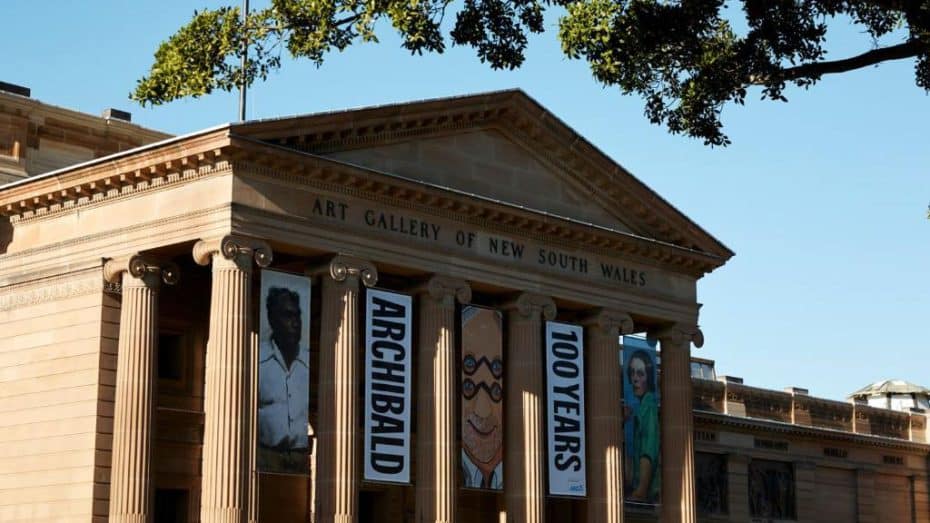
(387, 386)
(565, 398)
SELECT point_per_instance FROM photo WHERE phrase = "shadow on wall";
(6, 234)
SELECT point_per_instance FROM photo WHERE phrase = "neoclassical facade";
(130, 324)
(130, 313)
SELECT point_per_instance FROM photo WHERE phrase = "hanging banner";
(482, 399)
(387, 386)
(565, 399)
(641, 421)
(283, 373)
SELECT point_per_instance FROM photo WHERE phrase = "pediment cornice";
(522, 120)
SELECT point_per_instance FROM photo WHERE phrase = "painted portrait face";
(638, 378)
(482, 407)
(284, 316)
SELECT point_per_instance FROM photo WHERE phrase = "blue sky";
(823, 199)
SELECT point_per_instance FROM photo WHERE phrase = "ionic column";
(130, 479)
(339, 432)
(678, 495)
(525, 452)
(436, 399)
(605, 433)
(227, 398)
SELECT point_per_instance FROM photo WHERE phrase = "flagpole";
(245, 61)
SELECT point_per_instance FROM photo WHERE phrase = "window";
(711, 482)
(771, 489)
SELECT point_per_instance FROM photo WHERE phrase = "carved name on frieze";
(408, 226)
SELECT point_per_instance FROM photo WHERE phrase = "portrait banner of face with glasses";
(565, 399)
(482, 399)
(388, 372)
(283, 373)
(641, 421)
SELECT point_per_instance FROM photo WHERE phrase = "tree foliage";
(685, 58)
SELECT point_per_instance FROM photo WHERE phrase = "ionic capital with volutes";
(239, 250)
(678, 335)
(530, 306)
(147, 270)
(347, 269)
(445, 290)
(608, 323)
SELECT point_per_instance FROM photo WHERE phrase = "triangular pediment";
(488, 164)
(500, 146)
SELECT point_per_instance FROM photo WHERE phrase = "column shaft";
(130, 484)
(225, 442)
(605, 433)
(339, 433)
(678, 502)
(436, 401)
(524, 458)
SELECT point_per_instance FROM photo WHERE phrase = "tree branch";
(816, 69)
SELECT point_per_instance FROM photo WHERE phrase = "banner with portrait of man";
(283, 373)
(642, 472)
(482, 399)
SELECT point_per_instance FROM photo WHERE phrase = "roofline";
(111, 157)
(467, 194)
(725, 253)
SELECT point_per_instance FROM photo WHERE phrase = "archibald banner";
(565, 396)
(388, 373)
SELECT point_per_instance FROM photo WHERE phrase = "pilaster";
(805, 481)
(605, 433)
(339, 434)
(865, 496)
(524, 457)
(227, 447)
(436, 487)
(738, 485)
(130, 473)
(678, 501)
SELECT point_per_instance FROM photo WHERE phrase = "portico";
(487, 200)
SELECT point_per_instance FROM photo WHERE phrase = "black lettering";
(330, 209)
(567, 407)
(563, 463)
(565, 335)
(387, 308)
(565, 369)
(317, 207)
(642, 279)
(382, 424)
(389, 371)
(565, 350)
(517, 250)
(379, 347)
(583, 265)
(435, 229)
(387, 463)
(370, 218)
(573, 391)
(564, 443)
(385, 403)
(492, 245)
(342, 211)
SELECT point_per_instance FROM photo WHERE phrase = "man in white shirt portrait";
(284, 385)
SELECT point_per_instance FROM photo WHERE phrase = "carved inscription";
(411, 227)
(760, 443)
(833, 452)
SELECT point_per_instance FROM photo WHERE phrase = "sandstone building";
(132, 317)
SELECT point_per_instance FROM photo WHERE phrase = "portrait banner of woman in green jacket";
(641, 422)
